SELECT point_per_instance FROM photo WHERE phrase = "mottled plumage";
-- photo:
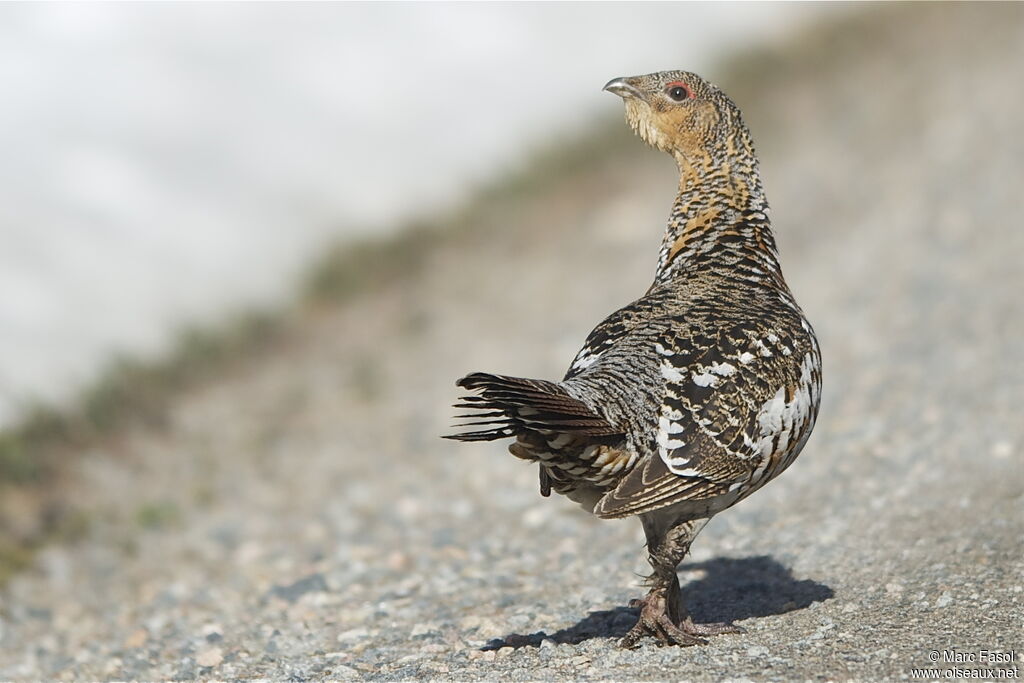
(698, 393)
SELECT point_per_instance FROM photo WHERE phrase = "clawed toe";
(712, 629)
(661, 628)
(655, 621)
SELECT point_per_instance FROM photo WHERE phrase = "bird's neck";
(719, 220)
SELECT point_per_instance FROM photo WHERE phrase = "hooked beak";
(623, 88)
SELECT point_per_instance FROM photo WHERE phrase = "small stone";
(471, 622)
(336, 655)
(113, 666)
(136, 639)
(534, 517)
(490, 628)
(352, 634)
(893, 588)
(212, 632)
(408, 508)
(422, 629)
(757, 651)
(313, 583)
(944, 600)
(434, 648)
(342, 671)
(210, 657)
(397, 561)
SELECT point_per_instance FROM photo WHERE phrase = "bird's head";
(680, 113)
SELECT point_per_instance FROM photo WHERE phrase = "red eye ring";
(678, 91)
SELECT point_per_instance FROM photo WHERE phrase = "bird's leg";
(662, 613)
(658, 616)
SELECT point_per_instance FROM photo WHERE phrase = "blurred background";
(246, 249)
(164, 164)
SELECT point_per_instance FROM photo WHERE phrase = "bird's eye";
(678, 92)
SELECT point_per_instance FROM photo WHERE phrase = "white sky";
(161, 164)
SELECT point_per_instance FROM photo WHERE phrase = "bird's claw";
(662, 629)
(716, 628)
(655, 621)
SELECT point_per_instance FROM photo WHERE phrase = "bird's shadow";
(731, 590)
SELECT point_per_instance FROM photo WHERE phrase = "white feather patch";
(780, 420)
(722, 369)
(705, 379)
(670, 373)
(584, 362)
(663, 351)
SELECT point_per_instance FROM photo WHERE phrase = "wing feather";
(710, 436)
(507, 406)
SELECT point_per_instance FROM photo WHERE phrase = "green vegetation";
(130, 391)
(157, 515)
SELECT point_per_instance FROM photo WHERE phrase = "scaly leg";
(662, 613)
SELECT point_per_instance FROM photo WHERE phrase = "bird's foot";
(714, 628)
(655, 620)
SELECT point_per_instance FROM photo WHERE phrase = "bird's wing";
(603, 337)
(613, 329)
(650, 486)
(728, 402)
(507, 406)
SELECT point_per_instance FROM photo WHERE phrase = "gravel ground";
(299, 518)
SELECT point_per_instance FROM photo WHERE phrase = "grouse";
(689, 399)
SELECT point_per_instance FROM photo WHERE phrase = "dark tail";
(506, 406)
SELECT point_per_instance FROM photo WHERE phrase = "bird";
(687, 400)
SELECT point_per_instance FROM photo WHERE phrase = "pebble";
(434, 648)
(136, 639)
(352, 634)
(210, 657)
(343, 671)
(422, 629)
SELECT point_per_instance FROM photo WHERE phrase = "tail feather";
(507, 406)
